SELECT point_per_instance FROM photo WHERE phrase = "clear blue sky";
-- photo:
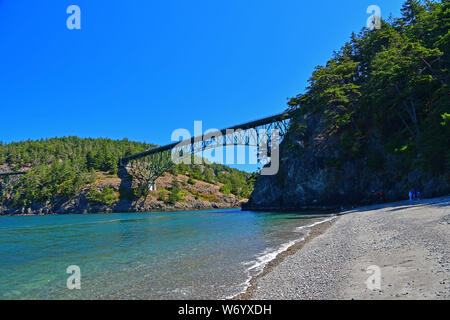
(140, 69)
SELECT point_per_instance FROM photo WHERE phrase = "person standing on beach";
(410, 196)
(380, 196)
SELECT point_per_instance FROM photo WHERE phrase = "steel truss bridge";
(262, 133)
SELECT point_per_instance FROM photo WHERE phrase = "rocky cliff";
(315, 174)
(374, 121)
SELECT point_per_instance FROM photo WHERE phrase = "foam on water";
(257, 266)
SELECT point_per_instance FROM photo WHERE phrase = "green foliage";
(107, 196)
(234, 181)
(43, 184)
(61, 166)
(207, 196)
(226, 188)
(174, 193)
(208, 175)
(162, 195)
(392, 81)
(446, 119)
(191, 181)
(140, 191)
(97, 154)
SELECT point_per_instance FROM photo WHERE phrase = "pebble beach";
(409, 242)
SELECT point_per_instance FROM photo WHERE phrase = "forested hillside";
(59, 169)
(375, 120)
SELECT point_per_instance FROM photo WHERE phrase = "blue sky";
(140, 69)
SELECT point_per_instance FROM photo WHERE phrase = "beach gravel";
(408, 241)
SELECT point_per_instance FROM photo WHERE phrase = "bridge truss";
(264, 134)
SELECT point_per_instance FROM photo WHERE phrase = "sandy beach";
(408, 241)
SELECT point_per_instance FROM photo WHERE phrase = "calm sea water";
(174, 255)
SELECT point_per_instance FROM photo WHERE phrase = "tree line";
(391, 85)
(58, 168)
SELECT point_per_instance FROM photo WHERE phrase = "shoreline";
(314, 231)
(407, 241)
(118, 211)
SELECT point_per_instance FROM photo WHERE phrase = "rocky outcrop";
(313, 174)
(199, 196)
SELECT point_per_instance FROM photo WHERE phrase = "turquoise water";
(174, 255)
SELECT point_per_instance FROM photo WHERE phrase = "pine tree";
(411, 9)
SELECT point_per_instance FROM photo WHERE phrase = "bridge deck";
(248, 125)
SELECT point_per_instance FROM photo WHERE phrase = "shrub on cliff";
(107, 196)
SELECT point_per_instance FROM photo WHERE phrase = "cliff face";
(374, 121)
(315, 174)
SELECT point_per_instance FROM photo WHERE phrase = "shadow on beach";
(401, 205)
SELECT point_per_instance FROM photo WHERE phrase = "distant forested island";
(76, 175)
